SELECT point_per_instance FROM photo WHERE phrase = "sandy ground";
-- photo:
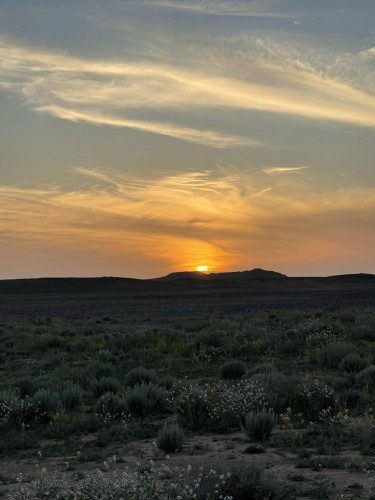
(213, 451)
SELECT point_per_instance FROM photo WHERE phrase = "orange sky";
(159, 136)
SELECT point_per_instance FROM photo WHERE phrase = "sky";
(142, 137)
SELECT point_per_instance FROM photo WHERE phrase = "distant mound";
(351, 277)
(258, 274)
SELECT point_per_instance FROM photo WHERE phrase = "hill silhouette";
(235, 275)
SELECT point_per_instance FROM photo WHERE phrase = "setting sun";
(202, 269)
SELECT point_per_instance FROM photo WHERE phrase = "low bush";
(367, 376)
(248, 482)
(232, 370)
(332, 354)
(144, 399)
(25, 387)
(193, 407)
(281, 389)
(14, 410)
(111, 407)
(48, 401)
(170, 438)
(141, 375)
(352, 398)
(105, 384)
(262, 368)
(259, 424)
(353, 363)
(314, 398)
(71, 396)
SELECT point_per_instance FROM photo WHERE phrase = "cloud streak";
(249, 8)
(284, 170)
(114, 93)
(181, 220)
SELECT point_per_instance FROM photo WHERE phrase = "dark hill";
(258, 274)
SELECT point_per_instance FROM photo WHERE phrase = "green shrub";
(71, 396)
(145, 399)
(46, 402)
(193, 407)
(98, 369)
(170, 438)
(353, 363)
(352, 398)
(48, 382)
(232, 369)
(141, 375)
(262, 368)
(105, 384)
(363, 332)
(314, 398)
(25, 387)
(259, 424)
(367, 376)
(281, 389)
(111, 406)
(332, 354)
(247, 482)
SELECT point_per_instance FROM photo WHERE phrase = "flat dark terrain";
(147, 299)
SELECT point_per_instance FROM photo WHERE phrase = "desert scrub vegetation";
(259, 424)
(170, 438)
(298, 381)
(232, 369)
(153, 482)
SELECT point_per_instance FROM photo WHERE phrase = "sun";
(202, 269)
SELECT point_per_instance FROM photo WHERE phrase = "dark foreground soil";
(149, 299)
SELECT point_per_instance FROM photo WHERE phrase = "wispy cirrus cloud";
(284, 170)
(181, 220)
(115, 93)
(249, 8)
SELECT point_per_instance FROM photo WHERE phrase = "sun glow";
(202, 269)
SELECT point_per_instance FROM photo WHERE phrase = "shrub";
(262, 368)
(314, 398)
(48, 382)
(105, 384)
(141, 375)
(192, 406)
(25, 387)
(352, 398)
(71, 396)
(319, 339)
(333, 353)
(46, 402)
(11, 408)
(353, 363)
(232, 370)
(281, 390)
(259, 424)
(363, 332)
(367, 376)
(111, 407)
(170, 438)
(98, 369)
(144, 399)
(248, 482)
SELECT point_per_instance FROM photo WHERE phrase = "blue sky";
(148, 136)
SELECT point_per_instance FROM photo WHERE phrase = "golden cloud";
(112, 93)
(185, 219)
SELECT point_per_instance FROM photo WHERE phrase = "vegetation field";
(225, 396)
